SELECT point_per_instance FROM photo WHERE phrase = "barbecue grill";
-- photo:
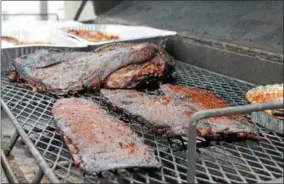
(223, 161)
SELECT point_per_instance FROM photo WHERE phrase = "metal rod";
(38, 177)
(8, 171)
(43, 9)
(191, 145)
(40, 160)
(279, 180)
(78, 13)
(31, 14)
(10, 144)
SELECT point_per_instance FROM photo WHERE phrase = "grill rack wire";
(223, 161)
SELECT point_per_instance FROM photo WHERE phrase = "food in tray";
(7, 40)
(169, 113)
(13, 41)
(93, 36)
(265, 94)
(114, 66)
(97, 140)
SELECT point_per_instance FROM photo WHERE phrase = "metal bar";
(78, 13)
(279, 180)
(43, 6)
(236, 48)
(38, 177)
(7, 169)
(31, 14)
(41, 162)
(10, 144)
(191, 145)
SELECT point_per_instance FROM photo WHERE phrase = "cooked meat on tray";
(169, 113)
(93, 36)
(115, 66)
(97, 140)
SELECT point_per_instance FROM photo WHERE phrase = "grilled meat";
(160, 66)
(114, 66)
(203, 100)
(98, 141)
(169, 113)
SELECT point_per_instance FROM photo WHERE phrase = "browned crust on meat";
(98, 141)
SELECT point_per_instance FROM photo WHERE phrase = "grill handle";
(194, 120)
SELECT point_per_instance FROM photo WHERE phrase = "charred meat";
(97, 140)
(115, 66)
(169, 113)
(265, 94)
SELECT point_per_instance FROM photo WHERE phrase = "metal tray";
(40, 35)
(125, 33)
(262, 94)
(269, 122)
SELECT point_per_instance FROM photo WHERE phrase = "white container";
(125, 33)
(40, 35)
(35, 24)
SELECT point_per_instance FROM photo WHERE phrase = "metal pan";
(124, 33)
(270, 119)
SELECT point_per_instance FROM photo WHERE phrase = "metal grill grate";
(222, 162)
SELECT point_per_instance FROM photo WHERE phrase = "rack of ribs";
(116, 66)
(98, 141)
(169, 113)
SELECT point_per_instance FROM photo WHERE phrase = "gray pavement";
(3, 177)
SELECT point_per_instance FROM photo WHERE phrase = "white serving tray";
(125, 33)
(40, 35)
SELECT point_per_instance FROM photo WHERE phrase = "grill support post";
(191, 145)
(38, 177)
(7, 169)
(10, 144)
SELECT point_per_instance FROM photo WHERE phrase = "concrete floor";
(3, 177)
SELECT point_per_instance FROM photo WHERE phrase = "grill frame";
(186, 75)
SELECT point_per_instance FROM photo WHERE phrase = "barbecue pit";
(225, 161)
